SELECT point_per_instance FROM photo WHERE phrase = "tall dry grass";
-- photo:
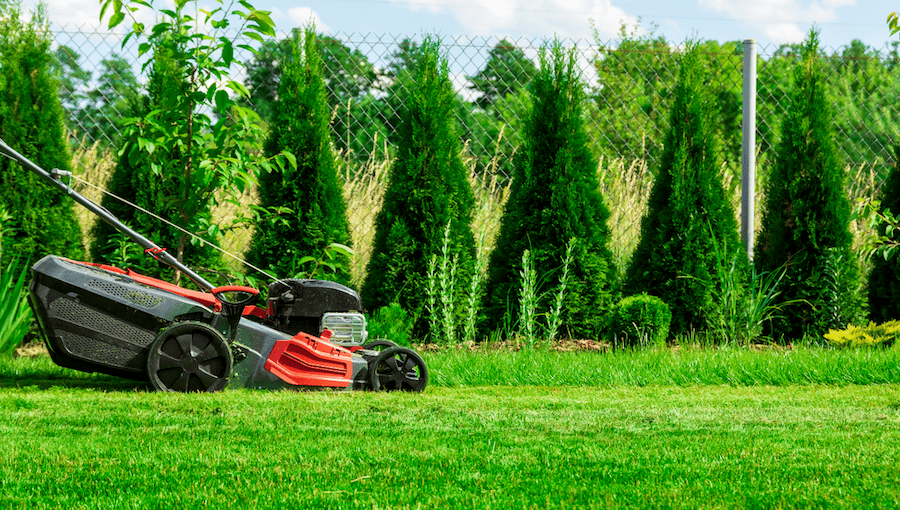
(625, 184)
(94, 165)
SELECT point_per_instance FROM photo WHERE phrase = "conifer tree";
(32, 122)
(554, 200)
(134, 180)
(427, 190)
(690, 227)
(806, 215)
(884, 279)
(312, 191)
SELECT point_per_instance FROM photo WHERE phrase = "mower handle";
(53, 179)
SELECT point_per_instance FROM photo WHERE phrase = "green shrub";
(640, 320)
(554, 200)
(806, 216)
(690, 230)
(427, 189)
(873, 335)
(392, 322)
(316, 213)
(884, 279)
(32, 122)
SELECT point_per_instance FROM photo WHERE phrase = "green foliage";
(392, 322)
(893, 20)
(554, 199)
(873, 335)
(135, 181)
(806, 216)
(95, 113)
(100, 120)
(643, 69)
(640, 320)
(689, 225)
(507, 70)
(348, 77)
(884, 278)
(189, 155)
(332, 265)
(31, 122)
(427, 190)
(316, 213)
(15, 314)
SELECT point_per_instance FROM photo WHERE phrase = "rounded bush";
(640, 320)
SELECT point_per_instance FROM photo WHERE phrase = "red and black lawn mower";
(99, 318)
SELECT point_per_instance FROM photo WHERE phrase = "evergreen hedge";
(884, 279)
(427, 189)
(32, 122)
(806, 215)
(134, 180)
(554, 198)
(312, 191)
(690, 229)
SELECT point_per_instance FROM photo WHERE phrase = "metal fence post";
(748, 147)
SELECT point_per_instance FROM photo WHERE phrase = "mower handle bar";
(149, 247)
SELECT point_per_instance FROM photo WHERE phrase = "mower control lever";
(234, 309)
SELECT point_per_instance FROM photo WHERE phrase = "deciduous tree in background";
(554, 200)
(689, 219)
(427, 189)
(31, 121)
(806, 215)
(312, 190)
(506, 71)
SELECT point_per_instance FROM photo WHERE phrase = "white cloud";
(565, 18)
(784, 21)
(303, 15)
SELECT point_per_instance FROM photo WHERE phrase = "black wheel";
(398, 368)
(187, 357)
(379, 344)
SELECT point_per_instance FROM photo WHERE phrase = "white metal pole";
(748, 147)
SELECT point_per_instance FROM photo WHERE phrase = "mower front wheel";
(398, 368)
(187, 357)
(379, 344)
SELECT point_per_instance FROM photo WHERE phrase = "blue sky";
(770, 22)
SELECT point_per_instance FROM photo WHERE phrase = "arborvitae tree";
(554, 200)
(32, 122)
(805, 225)
(134, 180)
(312, 191)
(427, 189)
(884, 279)
(690, 229)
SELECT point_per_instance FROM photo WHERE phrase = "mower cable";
(167, 222)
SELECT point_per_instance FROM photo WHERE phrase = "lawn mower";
(99, 318)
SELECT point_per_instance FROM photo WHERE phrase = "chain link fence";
(628, 85)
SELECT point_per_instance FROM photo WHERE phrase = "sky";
(769, 22)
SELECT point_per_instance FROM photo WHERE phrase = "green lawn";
(79, 441)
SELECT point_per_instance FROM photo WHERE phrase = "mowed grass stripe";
(733, 366)
(485, 447)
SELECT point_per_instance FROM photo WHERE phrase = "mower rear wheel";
(187, 357)
(379, 344)
(398, 368)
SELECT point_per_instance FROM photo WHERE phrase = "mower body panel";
(97, 318)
